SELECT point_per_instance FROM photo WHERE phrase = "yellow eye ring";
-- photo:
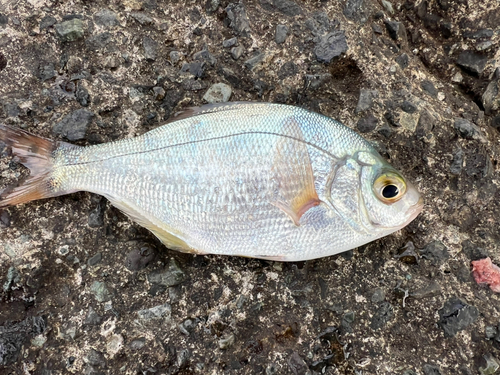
(389, 187)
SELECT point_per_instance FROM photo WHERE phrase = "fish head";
(372, 196)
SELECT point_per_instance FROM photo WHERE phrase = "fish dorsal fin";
(209, 108)
(292, 173)
(165, 235)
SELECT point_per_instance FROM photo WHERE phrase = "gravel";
(97, 72)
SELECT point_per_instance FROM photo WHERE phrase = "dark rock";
(367, 123)
(396, 30)
(254, 61)
(101, 291)
(281, 34)
(382, 316)
(150, 48)
(429, 369)
(4, 219)
(231, 77)
(365, 100)
(407, 254)
(288, 69)
(236, 52)
(315, 81)
(491, 97)
(446, 29)
(319, 24)
(96, 358)
(238, 20)
(425, 124)
(479, 34)
(183, 358)
(13, 278)
(71, 30)
(142, 18)
(175, 57)
(456, 316)
(94, 260)
(137, 344)
(330, 46)
(170, 276)
(347, 320)
(472, 62)
(82, 95)
(495, 122)
(74, 125)
(4, 20)
(99, 41)
(429, 87)
(46, 71)
(211, 6)
(187, 326)
(430, 290)
(11, 109)
(377, 29)
(432, 21)
(467, 129)
(297, 365)
(409, 107)
(196, 68)
(205, 56)
(140, 257)
(3, 61)
(46, 22)
(478, 165)
(287, 7)
(92, 318)
(378, 295)
(96, 216)
(13, 336)
(403, 60)
(106, 18)
(352, 8)
(457, 162)
(229, 42)
(158, 93)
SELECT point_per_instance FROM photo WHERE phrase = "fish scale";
(237, 179)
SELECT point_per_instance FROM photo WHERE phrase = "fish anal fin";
(167, 236)
(292, 173)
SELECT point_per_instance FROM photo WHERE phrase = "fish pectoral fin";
(292, 174)
(166, 236)
(297, 208)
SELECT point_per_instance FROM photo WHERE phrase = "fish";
(257, 180)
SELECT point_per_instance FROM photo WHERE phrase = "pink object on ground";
(485, 272)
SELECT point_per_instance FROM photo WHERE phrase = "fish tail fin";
(35, 153)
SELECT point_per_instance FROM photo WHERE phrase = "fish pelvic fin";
(35, 153)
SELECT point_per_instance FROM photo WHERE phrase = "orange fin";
(34, 153)
(292, 173)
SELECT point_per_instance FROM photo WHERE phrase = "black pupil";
(390, 191)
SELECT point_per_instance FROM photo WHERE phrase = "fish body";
(249, 179)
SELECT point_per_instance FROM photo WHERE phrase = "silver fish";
(249, 179)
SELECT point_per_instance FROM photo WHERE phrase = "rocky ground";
(86, 291)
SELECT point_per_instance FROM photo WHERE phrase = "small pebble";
(229, 42)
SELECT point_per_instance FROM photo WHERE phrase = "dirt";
(367, 311)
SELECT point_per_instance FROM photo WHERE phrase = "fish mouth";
(414, 210)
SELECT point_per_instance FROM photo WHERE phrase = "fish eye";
(389, 187)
